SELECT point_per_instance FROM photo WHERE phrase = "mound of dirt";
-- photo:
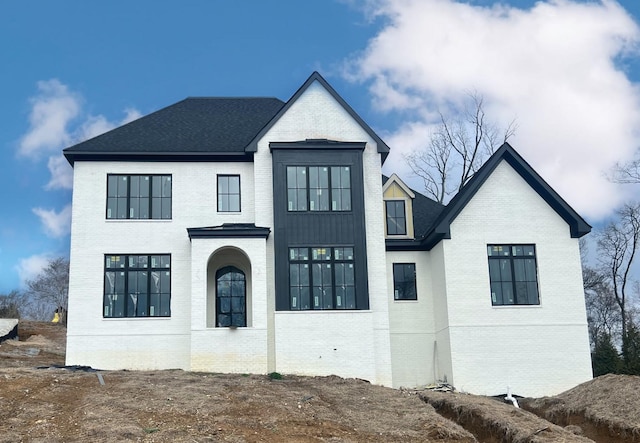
(607, 408)
(38, 343)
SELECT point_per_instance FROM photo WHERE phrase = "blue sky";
(566, 71)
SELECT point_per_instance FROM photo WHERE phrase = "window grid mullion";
(513, 276)
(307, 186)
(149, 205)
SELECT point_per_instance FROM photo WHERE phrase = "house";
(251, 235)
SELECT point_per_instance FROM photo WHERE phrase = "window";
(138, 196)
(228, 193)
(231, 290)
(322, 278)
(513, 275)
(319, 188)
(396, 218)
(137, 286)
(404, 281)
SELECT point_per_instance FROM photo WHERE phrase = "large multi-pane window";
(404, 281)
(137, 286)
(231, 296)
(396, 217)
(228, 193)
(321, 278)
(138, 196)
(318, 188)
(513, 275)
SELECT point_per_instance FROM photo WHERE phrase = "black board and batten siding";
(318, 228)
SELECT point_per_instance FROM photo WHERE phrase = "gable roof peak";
(316, 77)
(395, 179)
(441, 228)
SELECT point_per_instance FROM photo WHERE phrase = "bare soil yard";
(61, 405)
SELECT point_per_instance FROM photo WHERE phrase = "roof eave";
(238, 156)
(229, 231)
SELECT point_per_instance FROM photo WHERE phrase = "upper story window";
(513, 275)
(138, 196)
(396, 217)
(228, 193)
(404, 281)
(398, 206)
(137, 286)
(322, 278)
(318, 188)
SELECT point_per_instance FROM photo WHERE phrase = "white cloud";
(61, 173)
(96, 125)
(52, 110)
(55, 224)
(552, 67)
(29, 268)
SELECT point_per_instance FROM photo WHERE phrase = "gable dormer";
(398, 209)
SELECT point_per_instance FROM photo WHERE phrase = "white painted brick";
(537, 350)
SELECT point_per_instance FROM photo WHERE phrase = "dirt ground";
(43, 403)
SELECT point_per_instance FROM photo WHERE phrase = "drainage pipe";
(510, 398)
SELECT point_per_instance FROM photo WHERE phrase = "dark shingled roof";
(194, 125)
(425, 213)
(230, 230)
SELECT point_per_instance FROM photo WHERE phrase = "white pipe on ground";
(510, 398)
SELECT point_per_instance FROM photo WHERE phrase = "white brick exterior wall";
(452, 332)
(137, 343)
(536, 350)
(412, 324)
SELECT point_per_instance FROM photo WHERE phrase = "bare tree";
(618, 245)
(51, 288)
(10, 305)
(626, 173)
(603, 312)
(457, 149)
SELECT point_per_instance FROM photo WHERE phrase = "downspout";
(435, 361)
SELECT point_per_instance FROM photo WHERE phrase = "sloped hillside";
(42, 401)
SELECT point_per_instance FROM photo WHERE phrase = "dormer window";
(398, 209)
(396, 217)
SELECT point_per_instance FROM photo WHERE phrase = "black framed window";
(138, 196)
(396, 217)
(404, 281)
(340, 188)
(322, 278)
(137, 286)
(228, 193)
(513, 275)
(318, 188)
(231, 297)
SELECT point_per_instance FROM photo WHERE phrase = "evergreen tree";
(605, 358)
(631, 351)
